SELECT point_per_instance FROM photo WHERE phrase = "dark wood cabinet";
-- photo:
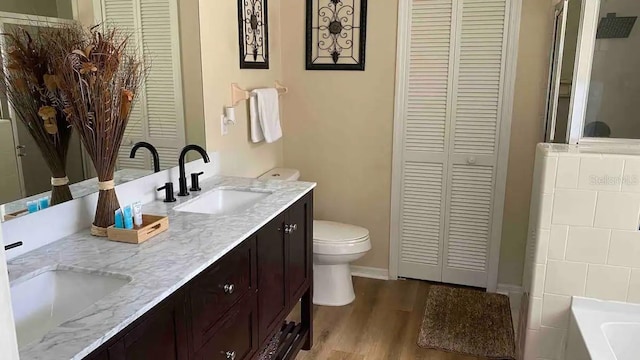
(272, 299)
(219, 288)
(299, 242)
(160, 335)
(235, 307)
(235, 337)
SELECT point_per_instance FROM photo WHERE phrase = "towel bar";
(239, 94)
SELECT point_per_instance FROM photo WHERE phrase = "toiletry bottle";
(119, 219)
(137, 214)
(128, 217)
(32, 206)
(43, 203)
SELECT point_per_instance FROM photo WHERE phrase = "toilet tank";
(281, 174)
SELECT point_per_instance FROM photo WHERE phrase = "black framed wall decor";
(253, 34)
(336, 34)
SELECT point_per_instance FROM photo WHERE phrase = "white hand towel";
(256, 128)
(268, 111)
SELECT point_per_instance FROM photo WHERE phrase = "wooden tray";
(16, 214)
(152, 225)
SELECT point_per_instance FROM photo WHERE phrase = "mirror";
(157, 116)
(565, 41)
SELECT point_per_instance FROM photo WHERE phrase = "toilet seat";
(333, 238)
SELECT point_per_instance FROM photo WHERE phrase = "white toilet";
(335, 245)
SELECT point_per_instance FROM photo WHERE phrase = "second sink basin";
(48, 299)
(222, 201)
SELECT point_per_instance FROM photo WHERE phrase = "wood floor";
(382, 323)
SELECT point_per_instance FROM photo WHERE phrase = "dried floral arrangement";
(99, 79)
(32, 89)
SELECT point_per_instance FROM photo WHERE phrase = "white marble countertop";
(158, 267)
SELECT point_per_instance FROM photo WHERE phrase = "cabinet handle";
(229, 288)
(231, 355)
(288, 229)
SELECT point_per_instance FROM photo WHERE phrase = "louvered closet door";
(454, 77)
(422, 208)
(158, 115)
(480, 52)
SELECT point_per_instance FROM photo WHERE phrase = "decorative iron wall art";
(253, 32)
(336, 34)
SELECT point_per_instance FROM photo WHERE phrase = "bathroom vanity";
(233, 308)
(211, 287)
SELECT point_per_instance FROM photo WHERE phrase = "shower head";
(614, 27)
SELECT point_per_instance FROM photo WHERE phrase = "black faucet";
(152, 150)
(12, 246)
(183, 176)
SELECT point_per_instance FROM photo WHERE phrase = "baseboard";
(514, 292)
(508, 289)
(370, 272)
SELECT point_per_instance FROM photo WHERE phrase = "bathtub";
(603, 330)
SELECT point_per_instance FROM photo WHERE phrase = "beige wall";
(32, 7)
(339, 129)
(339, 126)
(191, 60)
(220, 68)
(526, 131)
(10, 189)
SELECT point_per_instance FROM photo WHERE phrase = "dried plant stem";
(107, 205)
(60, 194)
(32, 90)
(99, 78)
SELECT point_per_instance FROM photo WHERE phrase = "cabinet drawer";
(236, 337)
(218, 289)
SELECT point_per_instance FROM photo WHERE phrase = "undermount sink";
(222, 201)
(48, 299)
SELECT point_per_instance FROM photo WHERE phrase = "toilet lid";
(329, 231)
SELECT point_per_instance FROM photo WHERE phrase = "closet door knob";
(471, 160)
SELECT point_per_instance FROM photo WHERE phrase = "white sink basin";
(222, 201)
(45, 301)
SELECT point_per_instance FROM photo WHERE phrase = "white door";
(158, 115)
(448, 132)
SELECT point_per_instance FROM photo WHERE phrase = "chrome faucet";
(152, 150)
(183, 177)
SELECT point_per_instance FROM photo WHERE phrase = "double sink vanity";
(218, 284)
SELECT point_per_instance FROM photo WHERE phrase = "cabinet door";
(235, 337)
(161, 336)
(272, 289)
(300, 246)
(215, 291)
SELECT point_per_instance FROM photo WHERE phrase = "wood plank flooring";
(382, 323)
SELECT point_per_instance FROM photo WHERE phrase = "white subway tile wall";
(608, 282)
(588, 245)
(617, 210)
(600, 174)
(567, 173)
(585, 241)
(572, 207)
(558, 242)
